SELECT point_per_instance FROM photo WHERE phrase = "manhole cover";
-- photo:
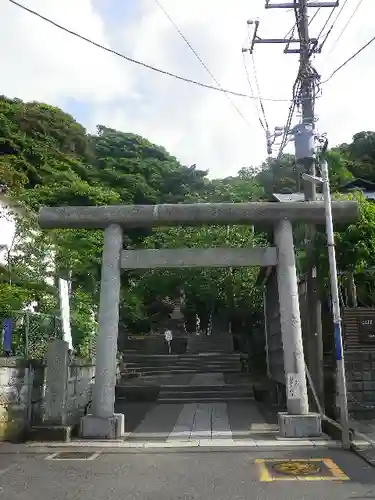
(73, 455)
(295, 468)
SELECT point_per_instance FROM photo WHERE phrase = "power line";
(349, 59)
(290, 33)
(139, 63)
(259, 96)
(252, 92)
(202, 62)
(346, 25)
(327, 21)
(333, 24)
(284, 139)
(292, 107)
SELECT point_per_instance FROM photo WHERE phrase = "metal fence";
(26, 333)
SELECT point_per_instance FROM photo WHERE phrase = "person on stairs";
(168, 339)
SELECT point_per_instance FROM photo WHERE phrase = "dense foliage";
(47, 158)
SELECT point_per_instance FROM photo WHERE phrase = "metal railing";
(26, 334)
(359, 441)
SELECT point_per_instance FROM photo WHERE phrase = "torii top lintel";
(136, 216)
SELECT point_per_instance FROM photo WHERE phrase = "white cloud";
(44, 63)
(196, 125)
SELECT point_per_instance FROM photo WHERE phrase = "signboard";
(366, 330)
(7, 335)
(293, 386)
(65, 311)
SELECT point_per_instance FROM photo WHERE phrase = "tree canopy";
(47, 158)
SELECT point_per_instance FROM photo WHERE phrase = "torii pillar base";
(103, 428)
(300, 426)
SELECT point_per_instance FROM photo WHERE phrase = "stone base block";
(12, 431)
(103, 428)
(300, 426)
(51, 433)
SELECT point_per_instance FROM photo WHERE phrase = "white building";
(7, 228)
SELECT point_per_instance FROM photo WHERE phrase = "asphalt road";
(173, 475)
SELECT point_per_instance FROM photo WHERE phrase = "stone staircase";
(205, 393)
(199, 344)
(159, 365)
(208, 372)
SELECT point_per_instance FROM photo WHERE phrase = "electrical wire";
(162, 8)
(349, 60)
(260, 110)
(327, 21)
(252, 92)
(345, 27)
(306, 72)
(291, 32)
(294, 103)
(139, 63)
(332, 26)
(260, 101)
(284, 139)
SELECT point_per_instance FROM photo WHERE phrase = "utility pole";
(337, 322)
(304, 138)
(314, 341)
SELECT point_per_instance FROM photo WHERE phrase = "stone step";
(197, 359)
(206, 395)
(211, 388)
(175, 357)
(177, 371)
(200, 359)
(205, 362)
(213, 399)
(171, 362)
(215, 367)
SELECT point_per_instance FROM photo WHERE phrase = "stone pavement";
(191, 421)
(201, 423)
(196, 420)
(150, 475)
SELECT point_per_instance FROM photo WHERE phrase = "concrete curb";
(194, 444)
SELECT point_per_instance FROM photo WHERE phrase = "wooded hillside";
(47, 158)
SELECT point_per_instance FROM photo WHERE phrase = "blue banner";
(338, 348)
(7, 335)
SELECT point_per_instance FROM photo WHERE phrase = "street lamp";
(341, 379)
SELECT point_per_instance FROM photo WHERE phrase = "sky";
(197, 125)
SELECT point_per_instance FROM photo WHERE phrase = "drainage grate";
(73, 455)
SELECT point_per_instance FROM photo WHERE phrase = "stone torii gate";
(104, 423)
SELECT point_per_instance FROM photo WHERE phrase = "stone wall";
(32, 395)
(360, 376)
(21, 396)
(79, 388)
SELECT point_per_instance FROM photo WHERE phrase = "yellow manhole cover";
(297, 468)
(312, 469)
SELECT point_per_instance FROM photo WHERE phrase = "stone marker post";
(56, 382)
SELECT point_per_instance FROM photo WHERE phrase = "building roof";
(359, 183)
(285, 197)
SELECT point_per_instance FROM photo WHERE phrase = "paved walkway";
(191, 421)
(229, 475)
(200, 420)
